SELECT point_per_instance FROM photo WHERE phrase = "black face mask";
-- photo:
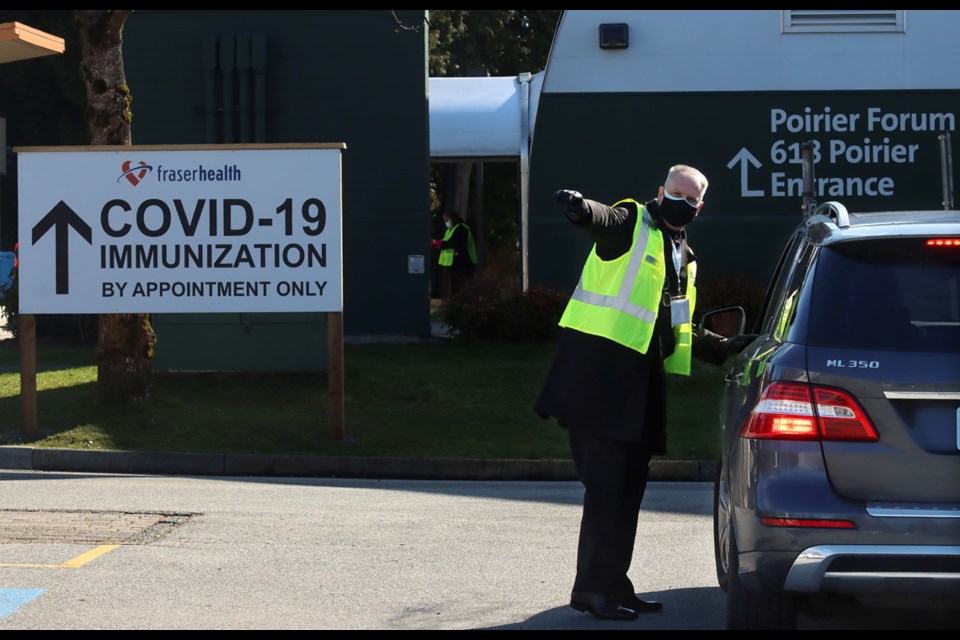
(677, 212)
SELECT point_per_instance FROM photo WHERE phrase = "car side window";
(778, 290)
(794, 303)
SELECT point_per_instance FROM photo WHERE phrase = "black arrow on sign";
(62, 217)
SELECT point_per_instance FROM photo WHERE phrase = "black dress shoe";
(601, 606)
(641, 606)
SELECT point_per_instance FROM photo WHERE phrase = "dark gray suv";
(840, 460)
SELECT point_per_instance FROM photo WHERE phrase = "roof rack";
(835, 211)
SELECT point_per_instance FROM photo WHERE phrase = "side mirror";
(727, 322)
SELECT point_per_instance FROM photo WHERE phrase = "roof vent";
(835, 21)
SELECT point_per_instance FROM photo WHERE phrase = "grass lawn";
(447, 400)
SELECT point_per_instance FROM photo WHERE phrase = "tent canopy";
(481, 117)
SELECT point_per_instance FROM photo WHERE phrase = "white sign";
(180, 229)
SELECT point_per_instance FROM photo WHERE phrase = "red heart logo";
(134, 176)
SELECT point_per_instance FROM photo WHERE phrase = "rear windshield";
(894, 293)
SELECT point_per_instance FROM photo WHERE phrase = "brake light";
(799, 411)
(943, 242)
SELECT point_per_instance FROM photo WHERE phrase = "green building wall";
(290, 76)
(626, 142)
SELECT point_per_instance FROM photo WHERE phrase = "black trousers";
(614, 476)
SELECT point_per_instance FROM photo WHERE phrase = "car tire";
(721, 533)
(748, 609)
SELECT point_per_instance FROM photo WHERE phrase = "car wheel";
(748, 609)
(721, 532)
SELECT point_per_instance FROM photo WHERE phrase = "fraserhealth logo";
(134, 173)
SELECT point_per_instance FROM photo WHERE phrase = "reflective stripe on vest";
(679, 361)
(446, 255)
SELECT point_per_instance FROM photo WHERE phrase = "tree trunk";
(125, 341)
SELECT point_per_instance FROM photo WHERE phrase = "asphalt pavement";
(159, 552)
(168, 552)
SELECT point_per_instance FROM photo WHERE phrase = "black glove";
(571, 201)
(732, 346)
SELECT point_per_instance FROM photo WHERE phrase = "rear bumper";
(867, 569)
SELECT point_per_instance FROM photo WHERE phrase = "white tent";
(486, 118)
(473, 118)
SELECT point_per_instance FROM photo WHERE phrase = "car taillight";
(798, 411)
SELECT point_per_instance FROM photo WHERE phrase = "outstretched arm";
(610, 228)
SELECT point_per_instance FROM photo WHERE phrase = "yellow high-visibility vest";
(619, 299)
(446, 255)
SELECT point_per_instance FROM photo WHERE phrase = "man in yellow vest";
(627, 324)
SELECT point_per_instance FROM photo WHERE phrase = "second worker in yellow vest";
(458, 253)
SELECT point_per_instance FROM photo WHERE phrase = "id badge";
(679, 310)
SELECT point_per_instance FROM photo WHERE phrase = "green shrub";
(487, 308)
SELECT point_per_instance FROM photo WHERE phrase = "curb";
(375, 468)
